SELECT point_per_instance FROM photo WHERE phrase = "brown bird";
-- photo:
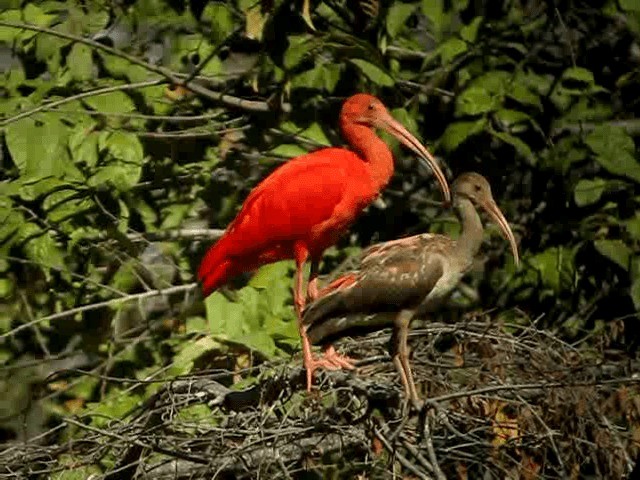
(401, 279)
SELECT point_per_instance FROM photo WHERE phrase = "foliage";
(110, 171)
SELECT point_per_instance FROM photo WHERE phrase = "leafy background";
(115, 178)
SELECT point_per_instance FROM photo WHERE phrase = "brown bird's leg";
(312, 287)
(310, 364)
(401, 355)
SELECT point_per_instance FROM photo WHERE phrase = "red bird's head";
(366, 110)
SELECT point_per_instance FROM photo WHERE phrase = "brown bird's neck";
(470, 240)
(372, 150)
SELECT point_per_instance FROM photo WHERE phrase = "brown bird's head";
(476, 188)
(365, 109)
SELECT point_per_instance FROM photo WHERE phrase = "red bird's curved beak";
(390, 125)
(492, 208)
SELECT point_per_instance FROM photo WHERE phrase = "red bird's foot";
(312, 364)
(340, 361)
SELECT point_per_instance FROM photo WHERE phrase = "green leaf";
(6, 288)
(221, 19)
(579, 74)
(76, 471)
(8, 34)
(615, 250)
(512, 120)
(635, 293)
(195, 325)
(469, 32)
(116, 404)
(36, 16)
(523, 94)
(39, 149)
(299, 47)
(588, 192)
(615, 151)
(259, 341)
(268, 274)
(224, 317)
(373, 72)
(64, 204)
(633, 226)
(521, 147)
(80, 62)
(112, 102)
(126, 147)
(185, 359)
(289, 150)
(475, 101)
(630, 5)
(40, 247)
(451, 49)
(83, 145)
(456, 133)
(556, 267)
(434, 10)
(122, 68)
(124, 163)
(397, 17)
(324, 77)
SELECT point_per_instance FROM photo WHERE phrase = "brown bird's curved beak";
(492, 208)
(390, 125)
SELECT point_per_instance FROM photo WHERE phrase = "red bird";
(305, 205)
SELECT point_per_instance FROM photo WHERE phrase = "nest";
(501, 402)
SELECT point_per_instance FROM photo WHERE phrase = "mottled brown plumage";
(409, 277)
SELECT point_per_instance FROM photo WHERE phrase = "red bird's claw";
(314, 364)
(340, 361)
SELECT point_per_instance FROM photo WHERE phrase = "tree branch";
(229, 100)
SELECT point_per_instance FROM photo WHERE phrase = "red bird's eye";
(372, 106)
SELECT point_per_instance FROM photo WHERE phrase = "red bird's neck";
(373, 151)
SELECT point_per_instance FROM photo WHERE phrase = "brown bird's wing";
(392, 276)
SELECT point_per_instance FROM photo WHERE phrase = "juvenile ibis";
(305, 205)
(401, 279)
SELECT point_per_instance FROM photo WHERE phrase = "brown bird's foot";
(340, 361)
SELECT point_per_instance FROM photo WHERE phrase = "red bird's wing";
(299, 199)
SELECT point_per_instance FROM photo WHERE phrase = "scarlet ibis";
(304, 206)
(401, 279)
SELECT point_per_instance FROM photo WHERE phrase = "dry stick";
(229, 100)
(529, 386)
(404, 461)
(106, 303)
(430, 450)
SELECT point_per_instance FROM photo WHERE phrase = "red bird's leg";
(310, 364)
(330, 354)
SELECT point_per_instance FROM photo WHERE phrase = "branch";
(95, 306)
(229, 100)
(92, 93)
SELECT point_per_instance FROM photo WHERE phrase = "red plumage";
(311, 199)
